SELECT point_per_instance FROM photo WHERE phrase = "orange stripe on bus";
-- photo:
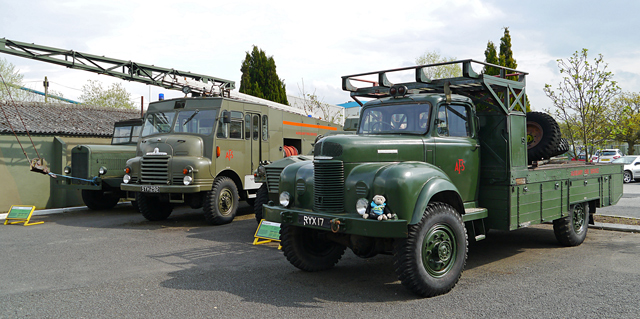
(310, 125)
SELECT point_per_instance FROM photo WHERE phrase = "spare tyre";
(543, 136)
(563, 147)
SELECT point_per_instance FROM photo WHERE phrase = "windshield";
(396, 119)
(198, 122)
(608, 153)
(625, 160)
(160, 122)
(125, 134)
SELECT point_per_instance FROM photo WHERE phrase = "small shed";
(55, 129)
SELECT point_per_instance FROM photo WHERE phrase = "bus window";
(256, 126)
(265, 128)
(247, 126)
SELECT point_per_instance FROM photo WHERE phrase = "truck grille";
(273, 179)
(80, 164)
(328, 187)
(155, 170)
(327, 149)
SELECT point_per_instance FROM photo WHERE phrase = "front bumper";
(165, 189)
(339, 223)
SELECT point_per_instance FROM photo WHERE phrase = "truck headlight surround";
(187, 180)
(67, 170)
(285, 199)
(126, 178)
(361, 206)
(102, 170)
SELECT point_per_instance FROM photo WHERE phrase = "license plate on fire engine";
(314, 221)
(150, 189)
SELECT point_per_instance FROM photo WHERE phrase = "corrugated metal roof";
(62, 119)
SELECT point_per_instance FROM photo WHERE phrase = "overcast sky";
(319, 41)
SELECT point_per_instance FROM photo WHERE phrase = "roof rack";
(467, 84)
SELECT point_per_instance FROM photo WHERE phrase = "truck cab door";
(253, 140)
(457, 150)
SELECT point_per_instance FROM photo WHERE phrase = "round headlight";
(67, 170)
(126, 178)
(361, 205)
(285, 198)
(102, 170)
(187, 180)
(262, 172)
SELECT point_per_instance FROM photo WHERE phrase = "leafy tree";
(312, 104)
(582, 99)
(259, 77)
(626, 115)
(14, 81)
(115, 96)
(439, 72)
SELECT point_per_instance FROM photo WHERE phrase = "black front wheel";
(309, 249)
(262, 197)
(152, 208)
(99, 199)
(221, 203)
(430, 261)
(572, 230)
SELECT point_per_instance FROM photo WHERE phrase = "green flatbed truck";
(450, 158)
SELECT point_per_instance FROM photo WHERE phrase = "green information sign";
(20, 215)
(268, 230)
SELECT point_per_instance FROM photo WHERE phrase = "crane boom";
(187, 82)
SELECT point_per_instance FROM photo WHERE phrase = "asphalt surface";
(115, 264)
(629, 204)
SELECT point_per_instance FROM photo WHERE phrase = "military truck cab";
(434, 163)
(97, 170)
(202, 152)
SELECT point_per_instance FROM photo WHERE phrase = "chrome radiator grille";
(328, 186)
(154, 169)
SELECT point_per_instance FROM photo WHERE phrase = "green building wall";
(20, 186)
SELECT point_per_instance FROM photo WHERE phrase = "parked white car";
(606, 156)
(631, 167)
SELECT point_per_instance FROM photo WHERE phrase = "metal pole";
(46, 89)
(142, 106)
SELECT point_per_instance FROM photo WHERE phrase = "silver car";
(606, 156)
(631, 167)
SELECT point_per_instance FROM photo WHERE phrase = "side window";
(247, 126)
(135, 135)
(223, 128)
(235, 127)
(441, 121)
(256, 126)
(453, 120)
(265, 128)
(458, 120)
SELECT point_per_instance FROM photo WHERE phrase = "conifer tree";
(506, 55)
(491, 56)
(259, 77)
